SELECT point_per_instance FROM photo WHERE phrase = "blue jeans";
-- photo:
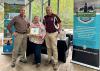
(37, 52)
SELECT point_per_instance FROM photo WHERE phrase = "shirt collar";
(50, 15)
(23, 16)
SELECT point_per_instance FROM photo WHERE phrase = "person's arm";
(42, 32)
(44, 21)
(60, 27)
(30, 27)
(28, 22)
(9, 26)
(59, 23)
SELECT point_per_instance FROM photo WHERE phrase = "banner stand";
(86, 65)
(9, 14)
(86, 38)
(5, 53)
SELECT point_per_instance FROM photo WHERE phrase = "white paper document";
(34, 31)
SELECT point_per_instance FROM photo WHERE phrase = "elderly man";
(21, 25)
(53, 26)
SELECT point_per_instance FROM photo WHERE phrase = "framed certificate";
(34, 31)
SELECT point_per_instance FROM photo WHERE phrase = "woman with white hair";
(37, 35)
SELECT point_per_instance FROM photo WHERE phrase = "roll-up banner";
(11, 9)
(86, 38)
(1, 20)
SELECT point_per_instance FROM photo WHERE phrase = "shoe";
(55, 66)
(33, 62)
(48, 62)
(13, 65)
(23, 61)
(38, 65)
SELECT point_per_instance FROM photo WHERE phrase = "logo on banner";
(86, 14)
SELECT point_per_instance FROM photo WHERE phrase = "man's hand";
(15, 33)
(59, 30)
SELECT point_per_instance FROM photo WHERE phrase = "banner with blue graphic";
(86, 38)
(86, 32)
(10, 11)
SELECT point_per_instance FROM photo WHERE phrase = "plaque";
(34, 31)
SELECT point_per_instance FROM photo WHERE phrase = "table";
(62, 46)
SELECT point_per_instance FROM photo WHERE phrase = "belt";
(52, 32)
(22, 32)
